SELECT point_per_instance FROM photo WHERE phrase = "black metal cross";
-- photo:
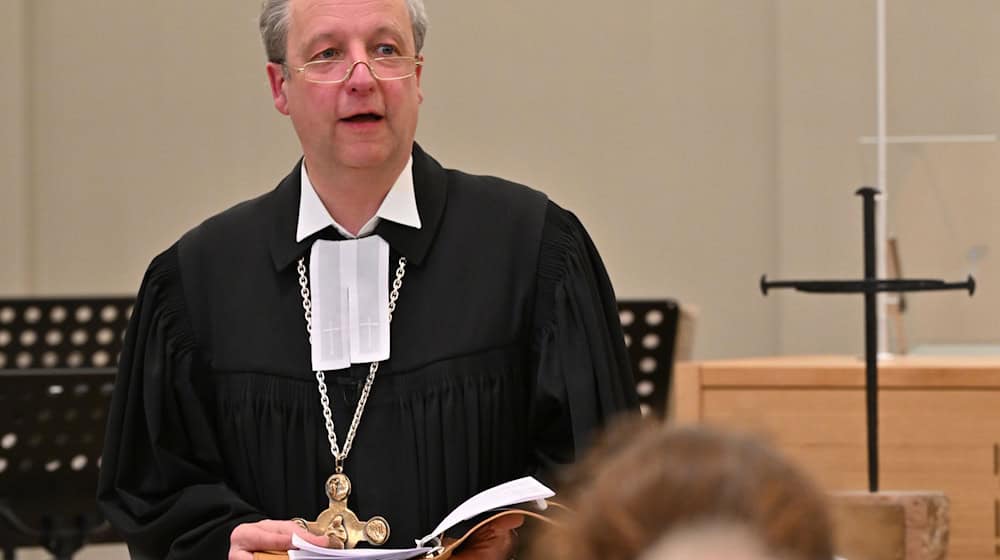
(869, 286)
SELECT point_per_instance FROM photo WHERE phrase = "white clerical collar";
(399, 205)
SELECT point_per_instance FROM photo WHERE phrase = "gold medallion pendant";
(341, 526)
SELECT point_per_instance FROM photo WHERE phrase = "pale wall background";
(702, 142)
(943, 78)
(654, 122)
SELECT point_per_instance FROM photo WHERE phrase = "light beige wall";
(653, 122)
(826, 101)
(943, 78)
(152, 116)
(14, 195)
(702, 143)
(945, 209)
(945, 198)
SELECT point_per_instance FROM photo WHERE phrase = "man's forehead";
(374, 12)
(313, 20)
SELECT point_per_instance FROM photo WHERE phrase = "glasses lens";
(326, 70)
(334, 71)
(389, 68)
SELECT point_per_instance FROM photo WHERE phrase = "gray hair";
(275, 20)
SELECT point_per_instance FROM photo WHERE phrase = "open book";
(520, 491)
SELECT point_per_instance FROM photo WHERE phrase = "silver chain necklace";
(340, 456)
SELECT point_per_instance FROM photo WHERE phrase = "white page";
(309, 551)
(519, 491)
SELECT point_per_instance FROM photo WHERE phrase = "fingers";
(496, 540)
(259, 537)
(267, 535)
(318, 540)
(292, 528)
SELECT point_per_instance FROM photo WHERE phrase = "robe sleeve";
(583, 377)
(162, 484)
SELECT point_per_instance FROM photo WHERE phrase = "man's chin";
(367, 157)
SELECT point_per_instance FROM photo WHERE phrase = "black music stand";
(57, 372)
(53, 429)
(650, 328)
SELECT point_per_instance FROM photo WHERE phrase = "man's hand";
(496, 540)
(267, 535)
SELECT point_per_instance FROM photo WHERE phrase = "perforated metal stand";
(57, 371)
(650, 328)
(53, 423)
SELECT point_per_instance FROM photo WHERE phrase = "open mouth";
(363, 118)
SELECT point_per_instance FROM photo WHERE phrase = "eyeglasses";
(335, 71)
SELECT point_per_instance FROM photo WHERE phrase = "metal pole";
(882, 224)
(871, 338)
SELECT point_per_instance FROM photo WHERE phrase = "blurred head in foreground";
(653, 493)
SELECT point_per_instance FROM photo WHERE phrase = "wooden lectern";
(939, 426)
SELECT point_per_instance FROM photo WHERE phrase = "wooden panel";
(834, 467)
(826, 371)
(837, 415)
(686, 393)
(790, 416)
(939, 427)
(952, 416)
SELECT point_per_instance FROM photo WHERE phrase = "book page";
(519, 491)
(309, 551)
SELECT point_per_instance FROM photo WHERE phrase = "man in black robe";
(506, 351)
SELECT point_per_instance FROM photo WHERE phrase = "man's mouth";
(363, 117)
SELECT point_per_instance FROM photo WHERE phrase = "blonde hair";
(275, 19)
(643, 482)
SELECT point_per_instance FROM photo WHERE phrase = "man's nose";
(361, 77)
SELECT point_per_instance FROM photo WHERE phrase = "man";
(506, 352)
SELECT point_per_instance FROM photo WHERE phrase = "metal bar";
(872, 285)
(881, 224)
(8, 515)
(871, 338)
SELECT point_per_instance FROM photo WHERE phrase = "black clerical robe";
(507, 355)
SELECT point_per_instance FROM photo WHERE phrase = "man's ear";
(420, 70)
(276, 77)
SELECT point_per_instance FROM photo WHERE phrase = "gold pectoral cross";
(340, 525)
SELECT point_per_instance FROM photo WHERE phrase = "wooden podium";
(939, 426)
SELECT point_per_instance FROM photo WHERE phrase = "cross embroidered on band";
(350, 302)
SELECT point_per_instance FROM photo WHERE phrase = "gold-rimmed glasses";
(338, 70)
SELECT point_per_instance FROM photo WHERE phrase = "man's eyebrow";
(321, 37)
(385, 29)
(389, 29)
